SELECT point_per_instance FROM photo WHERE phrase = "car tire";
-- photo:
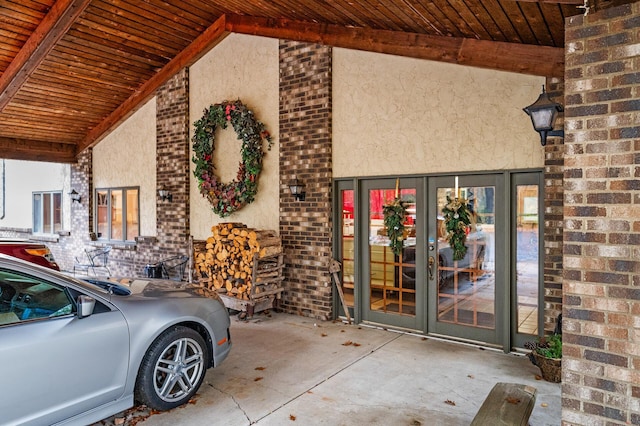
(172, 370)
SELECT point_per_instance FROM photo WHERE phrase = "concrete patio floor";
(285, 369)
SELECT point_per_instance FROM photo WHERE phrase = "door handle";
(432, 263)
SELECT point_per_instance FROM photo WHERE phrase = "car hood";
(146, 287)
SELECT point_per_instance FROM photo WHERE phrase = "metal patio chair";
(173, 268)
(92, 260)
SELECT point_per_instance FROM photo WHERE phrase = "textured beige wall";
(246, 68)
(415, 116)
(408, 116)
(22, 178)
(127, 157)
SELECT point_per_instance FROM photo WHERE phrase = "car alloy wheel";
(178, 369)
(172, 369)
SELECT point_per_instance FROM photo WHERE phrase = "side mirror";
(85, 306)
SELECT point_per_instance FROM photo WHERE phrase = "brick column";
(172, 169)
(305, 154)
(601, 338)
(72, 245)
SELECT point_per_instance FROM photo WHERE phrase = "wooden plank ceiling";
(73, 69)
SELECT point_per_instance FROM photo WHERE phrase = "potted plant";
(546, 354)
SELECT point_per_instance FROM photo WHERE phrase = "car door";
(54, 364)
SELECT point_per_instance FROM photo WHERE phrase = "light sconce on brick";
(165, 194)
(297, 190)
(75, 196)
(543, 113)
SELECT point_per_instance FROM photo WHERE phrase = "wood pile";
(241, 262)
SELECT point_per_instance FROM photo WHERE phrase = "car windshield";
(109, 286)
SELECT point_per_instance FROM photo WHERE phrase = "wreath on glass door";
(457, 219)
(226, 198)
(395, 213)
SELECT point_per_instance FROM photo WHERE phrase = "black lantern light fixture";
(75, 196)
(297, 190)
(165, 194)
(543, 113)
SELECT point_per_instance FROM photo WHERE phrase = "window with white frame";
(117, 213)
(47, 212)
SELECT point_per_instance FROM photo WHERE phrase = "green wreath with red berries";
(226, 198)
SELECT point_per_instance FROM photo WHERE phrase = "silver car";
(73, 352)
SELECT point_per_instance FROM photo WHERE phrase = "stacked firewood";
(235, 259)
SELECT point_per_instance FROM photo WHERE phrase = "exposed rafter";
(520, 58)
(18, 149)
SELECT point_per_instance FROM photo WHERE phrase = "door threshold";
(438, 337)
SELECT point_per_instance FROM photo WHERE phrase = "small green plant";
(549, 346)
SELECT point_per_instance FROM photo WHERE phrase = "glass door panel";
(526, 276)
(466, 287)
(390, 280)
(464, 282)
(348, 248)
(527, 254)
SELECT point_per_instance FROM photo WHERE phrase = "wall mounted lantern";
(75, 196)
(297, 190)
(165, 194)
(543, 113)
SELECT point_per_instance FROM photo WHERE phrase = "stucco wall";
(416, 116)
(22, 178)
(127, 157)
(246, 68)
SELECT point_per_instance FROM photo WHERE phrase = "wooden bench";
(507, 404)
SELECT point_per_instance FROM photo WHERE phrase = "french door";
(465, 288)
(393, 290)
(490, 293)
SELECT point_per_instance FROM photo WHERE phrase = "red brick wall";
(305, 154)
(601, 338)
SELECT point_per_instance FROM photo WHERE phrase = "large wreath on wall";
(226, 198)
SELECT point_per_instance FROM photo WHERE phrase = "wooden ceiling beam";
(502, 56)
(201, 45)
(54, 25)
(33, 150)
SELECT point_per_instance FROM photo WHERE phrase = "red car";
(30, 251)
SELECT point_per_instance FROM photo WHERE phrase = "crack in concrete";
(234, 401)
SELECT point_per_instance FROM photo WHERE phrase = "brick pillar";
(553, 215)
(72, 245)
(601, 337)
(305, 154)
(172, 169)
